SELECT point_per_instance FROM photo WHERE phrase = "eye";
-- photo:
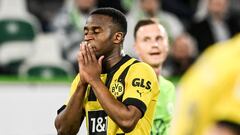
(97, 30)
(85, 31)
(146, 39)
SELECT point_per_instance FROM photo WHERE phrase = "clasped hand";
(89, 66)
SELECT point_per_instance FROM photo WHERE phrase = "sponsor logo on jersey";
(138, 82)
(117, 89)
(97, 121)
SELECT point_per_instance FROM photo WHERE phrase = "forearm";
(124, 116)
(69, 120)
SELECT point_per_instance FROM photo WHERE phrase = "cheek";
(140, 48)
(103, 42)
(163, 46)
(141, 52)
(165, 52)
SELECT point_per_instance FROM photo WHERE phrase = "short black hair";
(141, 23)
(117, 17)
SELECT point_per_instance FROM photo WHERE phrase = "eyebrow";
(146, 37)
(160, 36)
(92, 27)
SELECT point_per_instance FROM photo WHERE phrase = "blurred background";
(39, 40)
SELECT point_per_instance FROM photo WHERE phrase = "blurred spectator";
(144, 9)
(218, 25)
(127, 4)
(184, 9)
(202, 9)
(209, 92)
(114, 4)
(235, 6)
(183, 52)
(45, 10)
(69, 23)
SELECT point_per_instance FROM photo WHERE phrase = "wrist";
(82, 85)
(95, 81)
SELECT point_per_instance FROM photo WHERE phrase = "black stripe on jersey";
(111, 72)
(92, 96)
(136, 102)
(61, 109)
(116, 66)
(122, 78)
(114, 69)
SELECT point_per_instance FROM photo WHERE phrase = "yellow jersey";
(132, 83)
(210, 90)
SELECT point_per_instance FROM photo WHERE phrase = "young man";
(116, 93)
(151, 45)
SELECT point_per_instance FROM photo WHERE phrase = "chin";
(153, 64)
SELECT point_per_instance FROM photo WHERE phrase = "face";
(181, 48)
(151, 44)
(217, 7)
(98, 33)
(85, 4)
(150, 6)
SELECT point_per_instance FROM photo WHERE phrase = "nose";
(88, 37)
(155, 44)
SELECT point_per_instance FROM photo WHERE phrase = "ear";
(118, 37)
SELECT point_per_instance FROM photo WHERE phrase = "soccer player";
(209, 93)
(117, 94)
(151, 46)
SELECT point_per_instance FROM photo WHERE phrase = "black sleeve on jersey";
(61, 109)
(136, 102)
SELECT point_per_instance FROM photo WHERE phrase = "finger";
(84, 53)
(80, 59)
(92, 52)
(79, 51)
(100, 60)
(80, 46)
(88, 52)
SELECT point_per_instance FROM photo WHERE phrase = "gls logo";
(138, 82)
